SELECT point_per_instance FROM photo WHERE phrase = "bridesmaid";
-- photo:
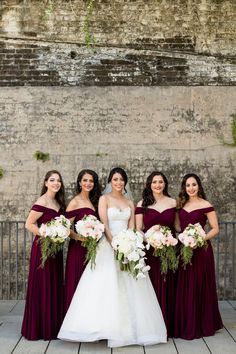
(44, 301)
(84, 203)
(197, 313)
(157, 207)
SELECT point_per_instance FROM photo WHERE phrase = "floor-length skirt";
(111, 304)
(44, 301)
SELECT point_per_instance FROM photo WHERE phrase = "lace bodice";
(118, 219)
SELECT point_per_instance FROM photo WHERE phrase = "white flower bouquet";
(129, 251)
(91, 229)
(163, 242)
(53, 235)
(192, 237)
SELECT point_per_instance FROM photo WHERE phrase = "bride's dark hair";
(120, 171)
(183, 195)
(95, 193)
(148, 198)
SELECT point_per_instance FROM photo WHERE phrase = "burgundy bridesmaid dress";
(44, 300)
(164, 286)
(75, 257)
(197, 313)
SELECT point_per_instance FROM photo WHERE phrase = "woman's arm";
(31, 222)
(139, 218)
(213, 222)
(131, 223)
(102, 211)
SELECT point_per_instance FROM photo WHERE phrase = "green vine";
(89, 38)
(1, 172)
(233, 131)
(233, 128)
(41, 156)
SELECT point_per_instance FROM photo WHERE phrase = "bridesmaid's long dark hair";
(60, 195)
(95, 193)
(183, 195)
(148, 198)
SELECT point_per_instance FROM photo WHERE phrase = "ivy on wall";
(1, 172)
(41, 156)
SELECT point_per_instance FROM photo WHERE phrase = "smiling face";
(117, 182)
(158, 184)
(53, 183)
(191, 187)
(87, 182)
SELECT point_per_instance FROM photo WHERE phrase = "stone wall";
(157, 90)
(174, 129)
(147, 43)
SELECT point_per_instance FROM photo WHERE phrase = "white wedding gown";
(110, 304)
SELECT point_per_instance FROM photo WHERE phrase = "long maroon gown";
(163, 286)
(75, 257)
(44, 300)
(197, 313)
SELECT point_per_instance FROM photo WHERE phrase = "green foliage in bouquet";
(186, 254)
(49, 248)
(91, 245)
(127, 267)
(168, 258)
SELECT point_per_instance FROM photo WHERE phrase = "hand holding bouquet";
(161, 239)
(53, 235)
(91, 229)
(129, 251)
(192, 237)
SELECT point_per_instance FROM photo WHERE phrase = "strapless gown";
(75, 257)
(164, 286)
(111, 304)
(197, 313)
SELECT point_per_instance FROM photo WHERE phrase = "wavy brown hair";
(183, 195)
(60, 195)
(95, 193)
(148, 198)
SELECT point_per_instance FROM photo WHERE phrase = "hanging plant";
(1, 172)
(42, 156)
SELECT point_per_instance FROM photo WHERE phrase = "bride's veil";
(127, 191)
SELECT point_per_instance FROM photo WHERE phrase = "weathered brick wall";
(153, 42)
(174, 129)
(161, 44)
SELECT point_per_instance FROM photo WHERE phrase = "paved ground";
(224, 342)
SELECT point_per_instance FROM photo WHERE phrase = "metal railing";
(15, 246)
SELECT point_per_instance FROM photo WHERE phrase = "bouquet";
(91, 229)
(192, 237)
(161, 239)
(53, 235)
(129, 251)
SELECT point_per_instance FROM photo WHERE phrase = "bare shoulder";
(131, 204)
(172, 202)
(139, 204)
(103, 199)
(205, 203)
(41, 201)
(73, 204)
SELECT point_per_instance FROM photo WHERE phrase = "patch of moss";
(41, 156)
(233, 128)
(1, 172)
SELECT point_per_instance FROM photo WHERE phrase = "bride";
(109, 303)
